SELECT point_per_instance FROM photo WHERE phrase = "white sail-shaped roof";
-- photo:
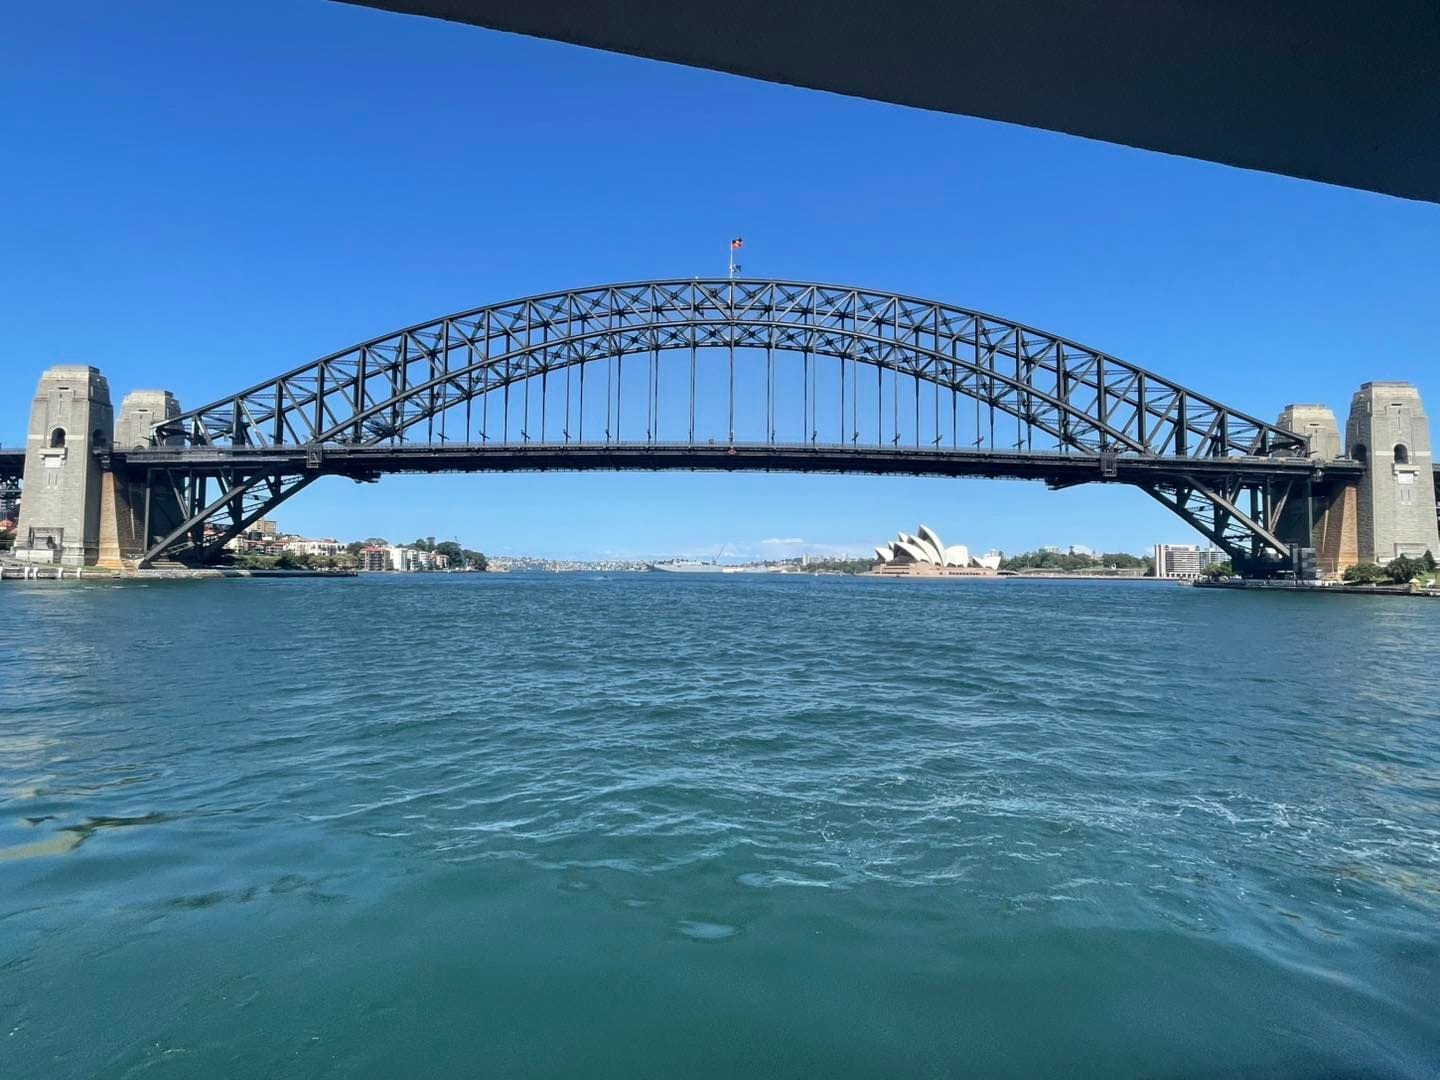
(928, 549)
(911, 550)
(921, 549)
(934, 544)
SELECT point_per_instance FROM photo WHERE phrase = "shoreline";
(40, 572)
(1334, 589)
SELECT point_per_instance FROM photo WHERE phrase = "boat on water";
(695, 566)
(692, 566)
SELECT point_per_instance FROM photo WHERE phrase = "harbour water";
(691, 826)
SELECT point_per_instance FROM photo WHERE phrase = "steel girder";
(1240, 513)
(418, 384)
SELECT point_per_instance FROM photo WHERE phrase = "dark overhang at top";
(1341, 91)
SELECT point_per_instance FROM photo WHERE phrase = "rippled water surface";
(642, 826)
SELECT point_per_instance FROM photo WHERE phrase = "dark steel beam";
(1338, 91)
(366, 462)
(1090, 403)
(1078, 415)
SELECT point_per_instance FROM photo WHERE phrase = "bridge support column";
(1335, 535)
(1322, 517)
(133, 511)
(1389, 433)
(70, 419)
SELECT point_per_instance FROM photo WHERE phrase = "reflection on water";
(68, 837)
(636, 826)
(59, 844)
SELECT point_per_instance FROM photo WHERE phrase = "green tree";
(1429, 561)
(1403, 569)
(451, 550)
(1061, 561)
(7, 539)
(1123, 560)
(476, 560)
(354, 547)
(1215, 571)
(1364, 574)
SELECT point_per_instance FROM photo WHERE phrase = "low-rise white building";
(299, 545)
(1185, 561)
(401, 560)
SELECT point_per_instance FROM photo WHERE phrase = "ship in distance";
(687, 566)
(696, 566)
(690, 566)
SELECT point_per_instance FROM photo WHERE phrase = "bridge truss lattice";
(853, 380)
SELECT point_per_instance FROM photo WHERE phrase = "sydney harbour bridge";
(713, 374)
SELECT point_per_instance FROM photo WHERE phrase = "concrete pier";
(1391, 509)
(1389, 433)
(131, 511)
(70, 418)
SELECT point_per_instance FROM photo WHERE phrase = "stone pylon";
(1317, 423)
(70, 420)
(1321, 517)
(129, 506)
(1389, 433)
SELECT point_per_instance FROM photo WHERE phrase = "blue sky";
(196, 196)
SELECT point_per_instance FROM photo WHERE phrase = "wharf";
(208, 573)
(12, 571)
(1332, 588)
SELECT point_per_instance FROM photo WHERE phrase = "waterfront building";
(1185, 561)
(402, 560)
(417, 560)
(299, 545)
(374, 558)
(924, 554)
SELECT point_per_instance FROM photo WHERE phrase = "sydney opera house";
(925, 555)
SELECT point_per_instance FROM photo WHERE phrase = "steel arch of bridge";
(412, 388)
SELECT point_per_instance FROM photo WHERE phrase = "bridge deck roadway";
(369, 462)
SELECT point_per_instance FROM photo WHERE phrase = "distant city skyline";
(205, 240)
(766, 548)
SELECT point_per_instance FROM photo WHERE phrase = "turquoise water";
(641, 826)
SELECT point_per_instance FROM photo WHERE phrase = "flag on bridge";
(737, 244)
